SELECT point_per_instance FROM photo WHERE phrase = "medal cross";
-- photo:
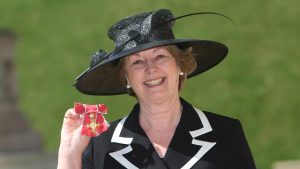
(93, 124)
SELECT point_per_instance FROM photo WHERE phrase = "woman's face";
(153, 74)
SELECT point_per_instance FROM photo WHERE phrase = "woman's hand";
(72, 143)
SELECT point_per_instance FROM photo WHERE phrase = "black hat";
(136, 33)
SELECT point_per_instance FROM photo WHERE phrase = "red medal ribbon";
(93, 123)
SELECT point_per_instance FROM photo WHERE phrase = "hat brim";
(103, 79)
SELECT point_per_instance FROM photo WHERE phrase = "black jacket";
(202, 140)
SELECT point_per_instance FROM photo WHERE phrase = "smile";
(155, 82)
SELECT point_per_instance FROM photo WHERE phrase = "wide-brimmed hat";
(136, 33)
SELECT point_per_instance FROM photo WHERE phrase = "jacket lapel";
(116, 138)
(138, 151)
(186, 147)
(205, 146)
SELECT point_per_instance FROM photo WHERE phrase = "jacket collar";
(185, 149)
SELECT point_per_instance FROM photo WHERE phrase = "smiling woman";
(163, 131)
(183, 58)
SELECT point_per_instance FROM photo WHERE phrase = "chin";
(158, 96)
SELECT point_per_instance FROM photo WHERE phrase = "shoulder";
(221, 122)
(106, 136)
(217, 121)
(214, 117)
(115, 127)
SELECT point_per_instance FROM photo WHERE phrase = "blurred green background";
(257, 83)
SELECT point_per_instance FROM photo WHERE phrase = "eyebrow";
(154, 50)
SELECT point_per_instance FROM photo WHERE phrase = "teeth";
(154, 82)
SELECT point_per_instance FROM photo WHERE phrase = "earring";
(128, 86)
(181, 73)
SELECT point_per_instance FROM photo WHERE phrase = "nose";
(150, 66)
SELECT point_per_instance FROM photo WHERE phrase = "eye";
(158, 57)
(137, 62)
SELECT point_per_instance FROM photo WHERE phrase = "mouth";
(155, 82)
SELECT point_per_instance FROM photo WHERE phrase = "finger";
(71, 114)
(72, 119)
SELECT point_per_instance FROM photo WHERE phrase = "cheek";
(173, 70)
(134, 77)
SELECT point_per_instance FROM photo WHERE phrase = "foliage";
(257, 83)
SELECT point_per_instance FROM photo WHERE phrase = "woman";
(163, 130)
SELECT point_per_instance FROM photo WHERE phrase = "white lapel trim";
(118, 155)
(205, 146)
(116, 138)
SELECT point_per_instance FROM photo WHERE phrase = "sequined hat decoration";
(136, 33)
